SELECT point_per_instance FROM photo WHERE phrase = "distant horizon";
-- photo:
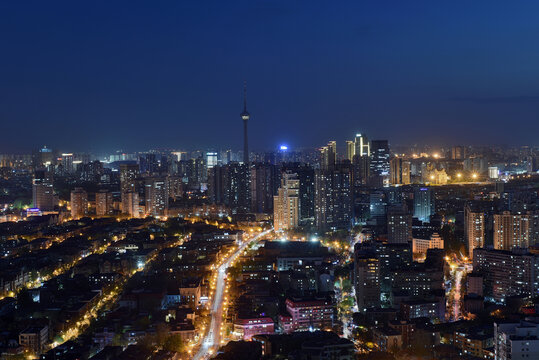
(104, 75)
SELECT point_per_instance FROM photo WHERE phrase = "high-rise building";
(474, 228)
(399, 225)
(361, 170)
(367, 279)
(423, 203)
(156, 196)
(400, 171)
(286, 203)
(230, 185)
(128, 177)
(515, 230)
(211, 159)
(264, 185)
(350, 150)
(43, 190)
(306, 190)
(362, 146)
(79, 203)
(507, 273)
(103, 203)
(379, 164)
(131, 204)
(67, 163)
(328, 156)
(458, 153)
(333, 198)
(245, 117)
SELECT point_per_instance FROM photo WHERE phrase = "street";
(212, 340)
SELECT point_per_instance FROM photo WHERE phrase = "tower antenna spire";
(244, 95)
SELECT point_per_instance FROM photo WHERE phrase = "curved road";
(212, 340)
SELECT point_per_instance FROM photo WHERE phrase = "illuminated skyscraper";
(328, 156)
(399, 225)
(67, 163)
(362, 146)
(286, 203)
(350, 150)
(43, 191)
(245, 117)
(79, 203)
(211, 159)
(333, 198)
(515, 230)
(128, 176)
(379, 162)
(474, 228)
(156, 194)
(423, 203)
(399, 171)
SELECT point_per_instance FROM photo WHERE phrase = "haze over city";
(132, 76)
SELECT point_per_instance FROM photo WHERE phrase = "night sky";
(136, 75)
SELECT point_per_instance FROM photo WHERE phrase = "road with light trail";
(212, 340)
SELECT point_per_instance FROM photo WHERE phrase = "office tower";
(305, 175)
(328, 156)
(333, 198)
(379, 165)
(350, 150)
(361, 146)
(79, 203)
(264, 185)
(423, 203)
(507, 273)
(211, 159)
(245, 117)
(399, 171)
(458, 153)
(103, 203)
(474, 228)
(156, 196)
(367, 279)
(130, 204)
(43, 191)
(67, 163)
(286, 203)
(399, 225)
(515, 230)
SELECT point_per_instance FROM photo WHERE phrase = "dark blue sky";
(146, 74)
